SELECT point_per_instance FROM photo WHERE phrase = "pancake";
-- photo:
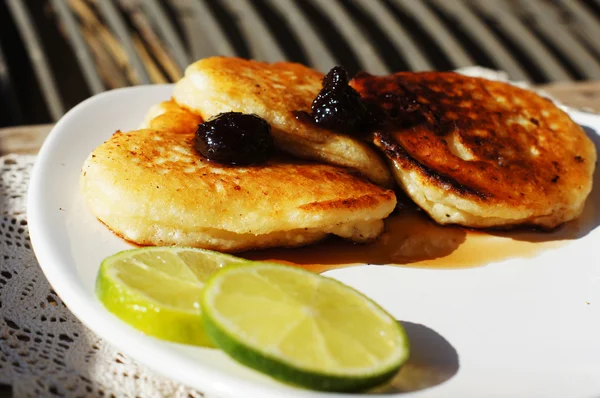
(276, 92)
(480, 153)
(168, 116)
(151, 187)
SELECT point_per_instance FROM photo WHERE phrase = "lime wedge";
(302, 328)
(157, 290)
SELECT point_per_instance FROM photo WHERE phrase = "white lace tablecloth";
(44, 350)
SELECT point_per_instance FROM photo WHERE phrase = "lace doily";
(44, 350)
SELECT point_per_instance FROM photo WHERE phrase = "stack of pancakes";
(468, 151)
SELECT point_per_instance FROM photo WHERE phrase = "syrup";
(412, 239)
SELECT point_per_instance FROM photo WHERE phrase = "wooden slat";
(262, 43)
(584, 18)
(108, 67)
(434, 26)
(481, 34)
(318, 54)
(579, 95)
(81, 50)
(368, 57)
(522, 37)
(401, 40)
(23, 139)
(549, 24)
(586, 24)
(38, 59)
(107, 49)
(117, 25)
(156, 46)
(8, 99)
(166, 30)
(205, 34)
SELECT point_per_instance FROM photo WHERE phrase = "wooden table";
(28, 139)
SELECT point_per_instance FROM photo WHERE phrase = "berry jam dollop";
(235, 138)
(340, 107)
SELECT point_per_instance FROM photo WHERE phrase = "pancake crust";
(275, 92)
(168, 116)
(481, 153)
(151, 187)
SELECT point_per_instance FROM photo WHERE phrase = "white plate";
(524, 327)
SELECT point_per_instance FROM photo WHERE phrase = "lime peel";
(141, 293)
(220, 326)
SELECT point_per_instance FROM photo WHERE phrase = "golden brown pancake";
(481, 153)
(276, 92)
(168, 116)
(152, 188)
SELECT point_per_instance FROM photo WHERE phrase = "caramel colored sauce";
(412, 239)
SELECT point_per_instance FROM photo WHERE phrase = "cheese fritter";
(481, 153)
(152, 188)
(276, 92)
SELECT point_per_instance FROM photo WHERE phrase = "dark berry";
(338, 106)
(336, 78)
(235, 138)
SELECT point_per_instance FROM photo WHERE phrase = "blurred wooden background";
(55, 53)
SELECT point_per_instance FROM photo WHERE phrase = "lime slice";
(302, 328)
(157, 290)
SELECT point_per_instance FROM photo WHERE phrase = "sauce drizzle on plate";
(412, 239)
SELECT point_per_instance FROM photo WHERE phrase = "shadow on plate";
(433, 361)
(410, 237)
